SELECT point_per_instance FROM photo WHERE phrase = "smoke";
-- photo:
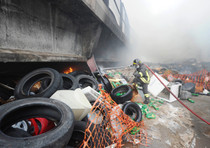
(169, 30)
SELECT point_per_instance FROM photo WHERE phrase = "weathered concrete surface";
(56, 27)
(46, 26)
(8, 55)
(102, 12)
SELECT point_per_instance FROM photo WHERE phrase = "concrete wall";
(54, 30)
(44, 26)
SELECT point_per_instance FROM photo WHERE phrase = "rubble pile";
(97, 110)
(45, 99)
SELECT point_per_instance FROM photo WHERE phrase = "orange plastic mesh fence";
(200, 78)
(110, 125)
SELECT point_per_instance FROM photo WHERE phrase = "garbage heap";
(200, 79)
(48, 108)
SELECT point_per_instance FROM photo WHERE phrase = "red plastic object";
(46, 125)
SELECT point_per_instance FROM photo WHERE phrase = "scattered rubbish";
(135, 130)
(121, 94)
(155, 107)
(177, 98)
(40, 125)
(137, 94)
(200, 79)
(189, 87)
(76, 100)
(115, 84)
(121, 128)
(23, 125)
(175, 88)
(58, 112)
(145, 110)
(185, 95)
(40, 82)
(194, 94)
(69, 82)
(133, 111)
(155, 103)
(155, 87)
(103, 79)
(110, 116)
(160, 101)
(86, 80)
(11, 99)
(190, 100)
(150, 115)
(205, 92)
(78, 134)
(90, 93)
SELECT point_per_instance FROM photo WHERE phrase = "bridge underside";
(58, 31)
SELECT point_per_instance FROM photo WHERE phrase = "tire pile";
(34, 120)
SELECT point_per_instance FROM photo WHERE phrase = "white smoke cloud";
(169, 30)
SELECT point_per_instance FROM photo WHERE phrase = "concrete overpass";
(61, 30)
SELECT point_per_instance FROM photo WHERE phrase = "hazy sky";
(169, 30)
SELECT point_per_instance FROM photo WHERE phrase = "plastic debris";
(145, 110)
(194, 94)
(190, 100)
(150, 115)
(185, 95)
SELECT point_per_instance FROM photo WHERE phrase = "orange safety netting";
(200, 78)
(111, 126)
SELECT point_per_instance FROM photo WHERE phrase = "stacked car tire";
(32, 95)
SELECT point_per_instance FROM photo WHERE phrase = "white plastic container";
(90, 93)
(155, 86)
(175, 89)
(76, 100)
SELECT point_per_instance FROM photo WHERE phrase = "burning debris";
(46, 83)
(69, 70)
(92, 108)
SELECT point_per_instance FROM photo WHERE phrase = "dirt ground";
(176, 127)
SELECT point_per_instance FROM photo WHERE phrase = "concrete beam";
(103, 13)
(52, 26)
(56, 30)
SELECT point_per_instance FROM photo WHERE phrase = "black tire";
(78, 134)
(128, 94)
(98, 132)
(178, 81)
(23, 88)
(103, 137)
(106, 83)
(51, 109)
(16, 132)
(85, 80)
(189, 87)
(77, 73)
(69, 82)
(133, 110)
(46, 82)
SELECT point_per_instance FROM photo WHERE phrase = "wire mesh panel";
(108, 125)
